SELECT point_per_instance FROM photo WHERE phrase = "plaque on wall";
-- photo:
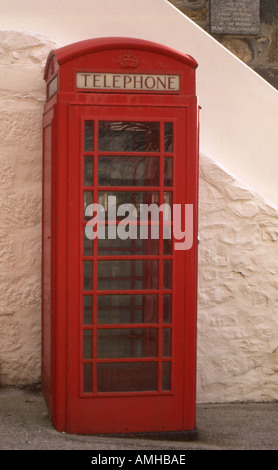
(235, 16)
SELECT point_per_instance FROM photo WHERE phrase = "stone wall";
(260, 52)
(22, 94)
(238, 291)
(238, 262)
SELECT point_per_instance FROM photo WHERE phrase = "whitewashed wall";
(238, 294)
(22, 95)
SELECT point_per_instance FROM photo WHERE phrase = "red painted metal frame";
(113, 413)
(112, 112)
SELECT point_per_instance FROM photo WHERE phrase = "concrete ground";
(25, 425)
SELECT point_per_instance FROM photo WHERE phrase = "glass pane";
(166, 376)
(87, 344)
(127, 377)
(88, 199)
(87, 378)
(168, 198)
(88, 275)
(89, 136)
(128, 136)
(112, 200)
(127, 342)
(123, 309)
(167, 308)
(167, 274)
(168, 172)
(88, 171)
(167, 246)
(128, 246)
(88, 245)
(127, 274)
(128, 171)
(168, 137)
(87, 310)
(166, 342)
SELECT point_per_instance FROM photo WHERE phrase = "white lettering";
(154, 210)
(95, 228)
(128, 222)
(149, 219)
(101, 460)
(187, 234)
(163, 459)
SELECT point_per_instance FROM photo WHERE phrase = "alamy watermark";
(126, 221)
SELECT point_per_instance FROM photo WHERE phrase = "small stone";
(240, 48)
(273, 48)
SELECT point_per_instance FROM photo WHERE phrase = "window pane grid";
(157, 177)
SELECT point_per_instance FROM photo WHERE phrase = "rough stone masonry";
(257, 47)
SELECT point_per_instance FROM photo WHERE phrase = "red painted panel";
(46, 260)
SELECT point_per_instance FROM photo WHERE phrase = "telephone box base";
(190, 435)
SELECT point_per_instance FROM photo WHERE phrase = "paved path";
(24, 425)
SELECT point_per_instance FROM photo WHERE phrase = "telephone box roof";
(78, 49)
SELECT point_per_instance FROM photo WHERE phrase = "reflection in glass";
(166, 342)
(88, 199)
(88, 275)
(167, 308)
(128, 136)
(127, 274)
(167, 243)
(128, 171)
(166, 376)
(89, 136)
(168, 172)
(87, 344)
(127, 343)
(88, 245)
(167, 274)
(117, 198)
(128, 246)
(121, 309)
(88, 171)
(87, 378)
(127, 377)
(87, 310)
(167, 246)
(168, 198)
(168, 137)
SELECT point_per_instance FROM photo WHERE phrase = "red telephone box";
(119, 312)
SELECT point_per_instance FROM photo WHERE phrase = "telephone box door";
(131, 356)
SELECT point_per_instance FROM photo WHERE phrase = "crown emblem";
(128, 61)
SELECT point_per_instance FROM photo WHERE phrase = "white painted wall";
(237, 294)
(239, 119)
(22, 96)
(238, 262)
